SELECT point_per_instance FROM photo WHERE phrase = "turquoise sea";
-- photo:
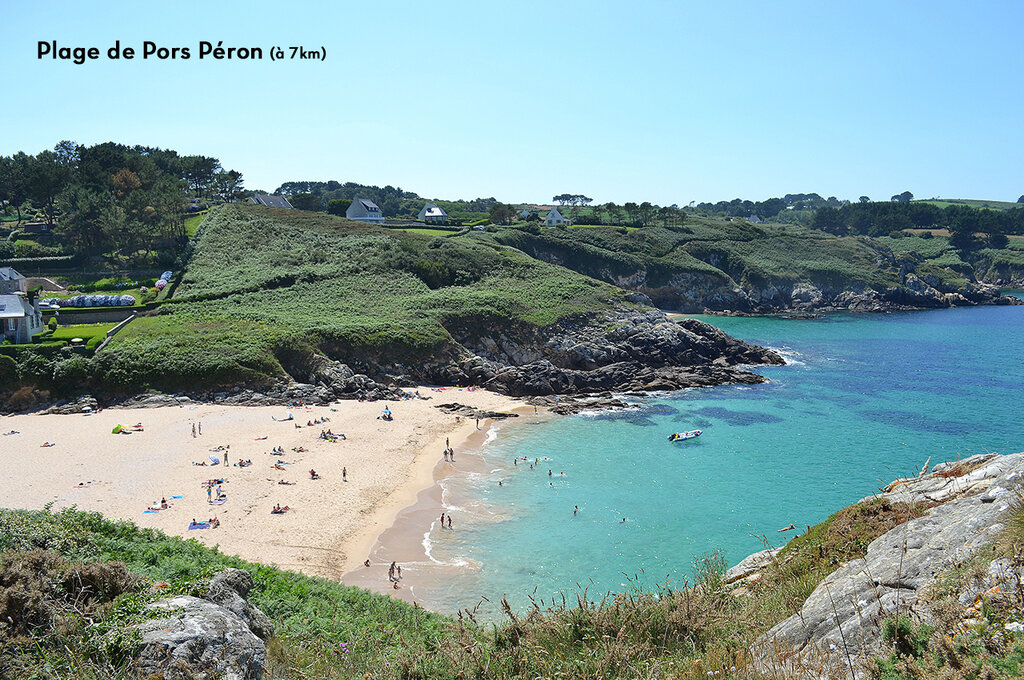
(865, 399)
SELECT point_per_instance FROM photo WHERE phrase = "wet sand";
(425, 579)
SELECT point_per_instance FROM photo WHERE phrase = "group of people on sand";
(212, 523)
(327, 435)
(449, 516)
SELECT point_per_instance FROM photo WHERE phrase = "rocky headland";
(908, 571)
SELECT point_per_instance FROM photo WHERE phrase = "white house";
(20, 319)
(11, 281)
(271, 200)
(432, 212)
(554, 218)
(365, 210)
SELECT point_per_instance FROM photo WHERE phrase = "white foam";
(492, 434)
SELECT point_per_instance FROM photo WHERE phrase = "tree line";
(112, 197)
(963, 222)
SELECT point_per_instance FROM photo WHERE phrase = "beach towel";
(199, 525)
(177, 496)
(220, 500)
(149, 511)
(116, 430)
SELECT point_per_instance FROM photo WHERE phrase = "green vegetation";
(972, 203)
(721, 253)
(265, 283)
(106, 569)
(192, 223)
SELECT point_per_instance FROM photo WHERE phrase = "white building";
(554, 218)
(11, 281)
(365, 210)
(19, 318)
(432, 212)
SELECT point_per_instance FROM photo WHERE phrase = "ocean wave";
(492, 434)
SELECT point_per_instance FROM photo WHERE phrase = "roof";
(9, 274)
(432, 210)
(368, 204)
(554, 211)
(12, 307)
(271, 200)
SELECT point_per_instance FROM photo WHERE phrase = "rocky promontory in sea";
(634, 350)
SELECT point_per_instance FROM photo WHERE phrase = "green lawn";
(86, 331)
(192, 223)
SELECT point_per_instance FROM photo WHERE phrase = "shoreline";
(333, 519)
(404, 539)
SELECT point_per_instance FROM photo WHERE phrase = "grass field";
(972, 202)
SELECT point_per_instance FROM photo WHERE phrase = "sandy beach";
(332, 522)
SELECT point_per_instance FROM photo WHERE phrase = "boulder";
(229, 589)
(195, 638)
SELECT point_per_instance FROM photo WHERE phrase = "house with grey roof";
(365, 210)
(11, 281)
(432, 212)
(270, 200)
(20, 318)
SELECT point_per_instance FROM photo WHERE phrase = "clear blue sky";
(652, 100)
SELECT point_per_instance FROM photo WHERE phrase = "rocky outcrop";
(622, 351)
(219, 636)
(843, 616)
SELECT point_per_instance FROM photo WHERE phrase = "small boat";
(683, 436)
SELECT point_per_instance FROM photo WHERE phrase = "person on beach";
(391, 571)
(398, 570)
(445, 454)
(366, 563)
(446, 444)
(200, 427)
(575, 510)
(449, 520)
(209, 494)
(549, 473)
(478, 423)
(344, 474)
(193, 430)
(442, 520)
(394, 584)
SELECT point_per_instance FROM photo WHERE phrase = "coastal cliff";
(942, 571)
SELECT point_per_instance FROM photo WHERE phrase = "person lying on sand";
(279, 510)
(6, 434)
(202, 464)
(47, 445)
(286, 483)
(300, 449)
(278, 466)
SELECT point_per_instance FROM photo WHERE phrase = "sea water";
(864, 399)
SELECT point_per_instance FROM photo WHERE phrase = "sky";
(668, 102)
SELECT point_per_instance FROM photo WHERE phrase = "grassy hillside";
(261, 283)
(59, 628)
(721, 252)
